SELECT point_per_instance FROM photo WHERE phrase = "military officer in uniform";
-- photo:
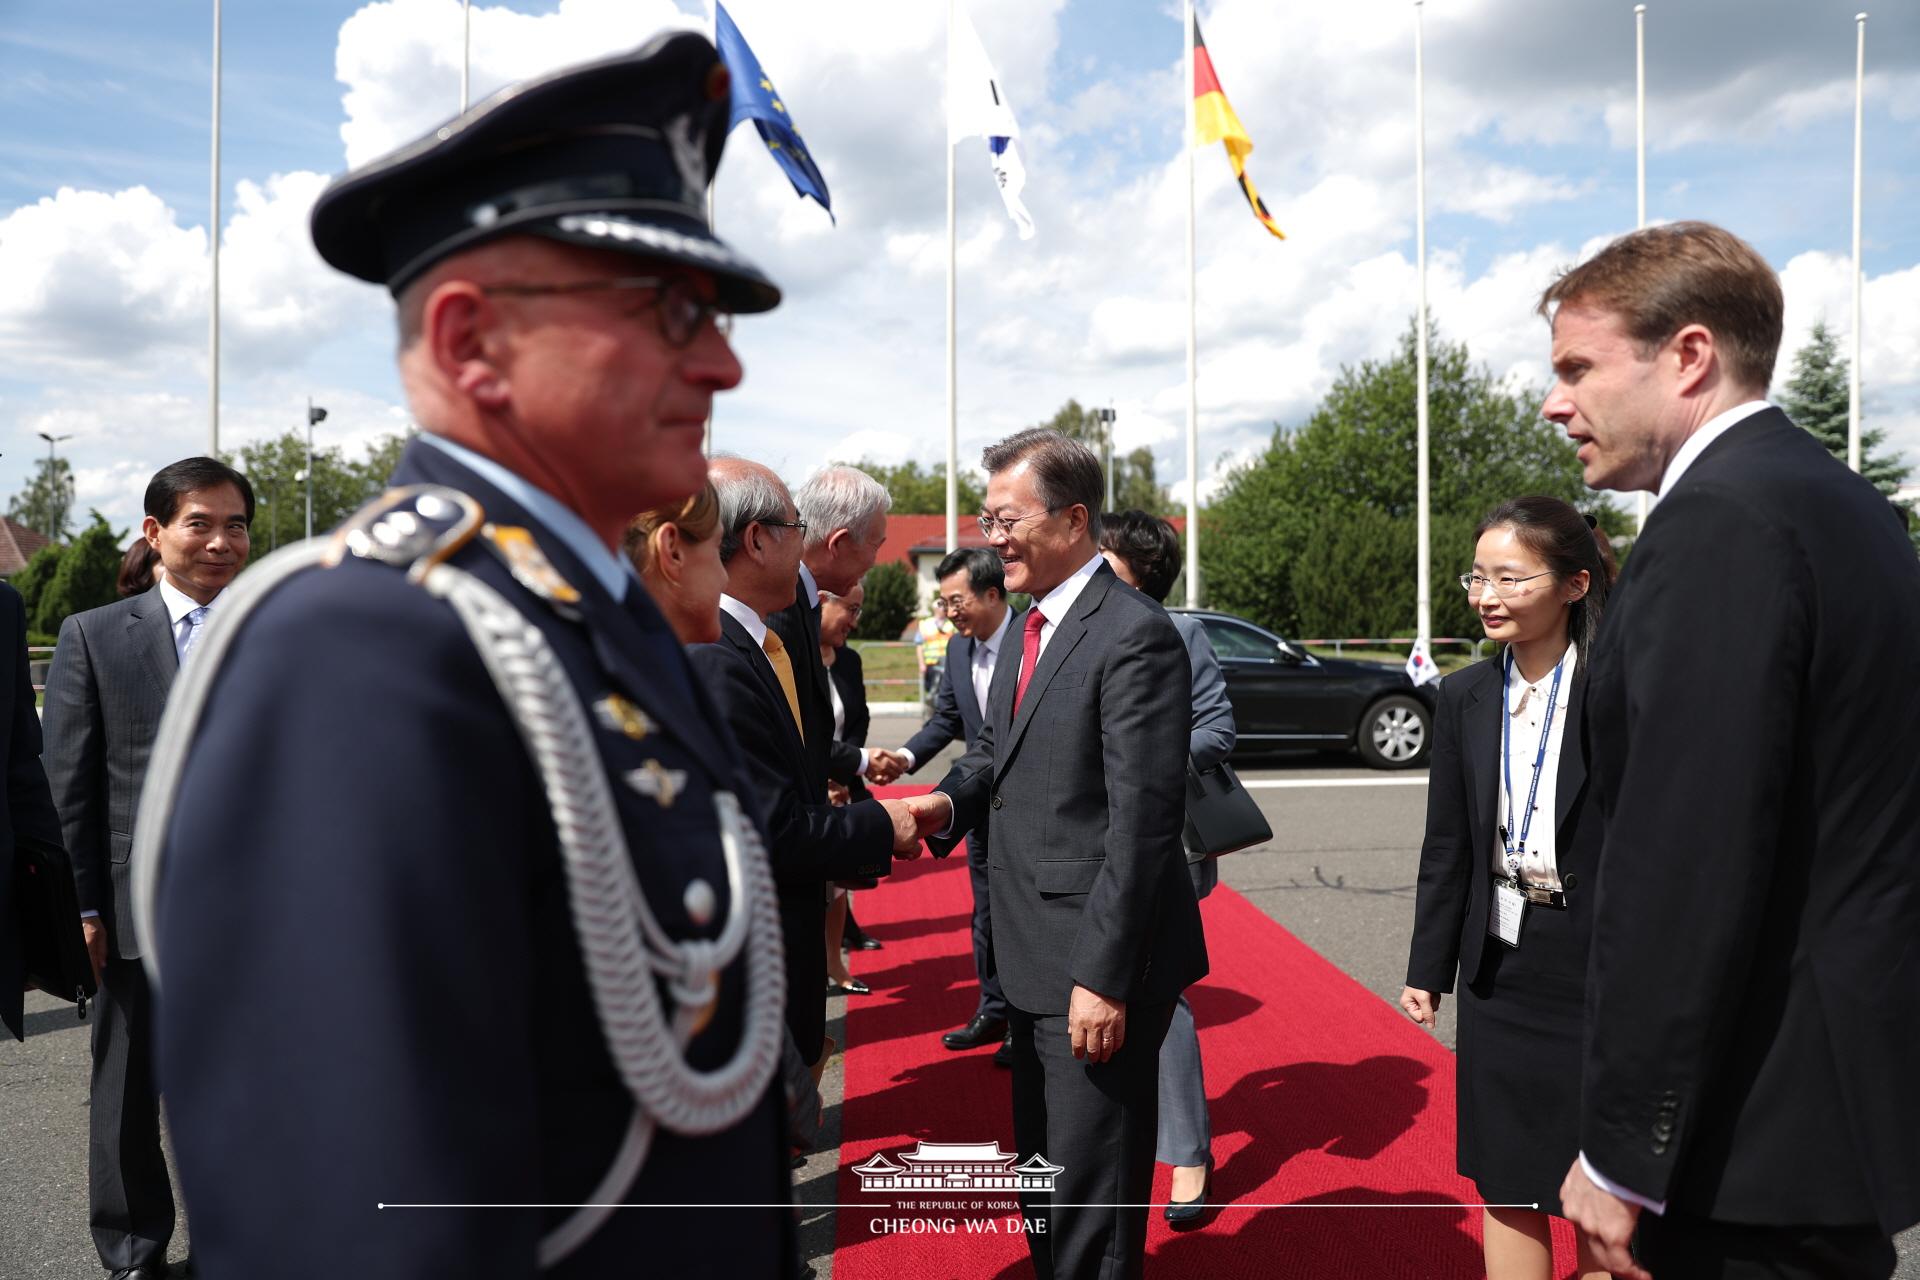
(457, 926)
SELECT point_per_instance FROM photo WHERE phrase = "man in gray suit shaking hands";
(1082, 766)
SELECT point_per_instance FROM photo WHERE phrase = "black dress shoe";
(1185, 1213)
(851, 987)
(864, 943)
(981, 1031)
(1003, 1056)
(149, 1272)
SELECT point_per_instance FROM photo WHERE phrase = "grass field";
(889, 660)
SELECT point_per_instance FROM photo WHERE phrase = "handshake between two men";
(914, 819)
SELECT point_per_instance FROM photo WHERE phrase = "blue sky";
(104, 205)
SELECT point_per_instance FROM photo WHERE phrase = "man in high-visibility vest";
(930, 636)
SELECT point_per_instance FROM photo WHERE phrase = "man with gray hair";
(751, 672)
(845, 513)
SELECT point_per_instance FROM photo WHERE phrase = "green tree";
(892, 599)
(31, 582)
(340, 487)
(85, 577)
(1318, 535)
(46, 504)
(918, 491)
(1816, 397)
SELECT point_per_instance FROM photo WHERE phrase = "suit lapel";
(733, 633)
(1573, 753)
(1067, 634)
(151, 633)
(1480, 741)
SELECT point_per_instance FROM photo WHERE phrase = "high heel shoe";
(1188, 1212)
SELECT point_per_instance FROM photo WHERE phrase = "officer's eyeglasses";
(683, 312)
(1476, 585)
(1005, 524)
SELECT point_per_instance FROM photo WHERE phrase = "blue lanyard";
(1539, 758)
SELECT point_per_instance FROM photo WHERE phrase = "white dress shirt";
(1696, 444)
(1526, 713)
(1057, 603)
(755, 624)
(179, 605)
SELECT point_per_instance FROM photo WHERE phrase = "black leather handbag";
(1221, 816)
(49, 912)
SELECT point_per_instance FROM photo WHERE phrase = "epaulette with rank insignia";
(412, 528)
(530, 567)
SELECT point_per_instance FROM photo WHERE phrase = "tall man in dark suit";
(105, 692)
(456, 905)
(752, 673)
(974, 588)
(28, 805)
(1748, 1090)
(1082, 764)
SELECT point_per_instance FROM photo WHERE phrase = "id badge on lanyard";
(1509, 903)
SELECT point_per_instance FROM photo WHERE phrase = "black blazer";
(849, 675)
(1754, 986)
(798, 626)
(105, 694)
(28, 805)
(1088, 883)
(1463, 803)
(809, 841)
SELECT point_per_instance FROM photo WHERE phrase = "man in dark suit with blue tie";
(1082, 764)
(105, 693)
(974, 587)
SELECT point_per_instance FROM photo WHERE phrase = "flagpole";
(466, 48)
(213, 237)
(1424, 584)
(1640, 159)
(1193, 363)
(953, 412)
(1859, 110)
(713, 221)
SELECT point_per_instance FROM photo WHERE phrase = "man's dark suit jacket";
(798, 626)
(1755, 979)
(956, 712)
(1088, 882)
(1463, 807)
(105, 694)
(29, 805)
(809, 841)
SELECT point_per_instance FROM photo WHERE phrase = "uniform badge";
(658, 783)
(621, 716)
(529, 565)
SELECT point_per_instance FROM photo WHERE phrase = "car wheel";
(1396, 733)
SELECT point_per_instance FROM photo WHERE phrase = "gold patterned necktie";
(776, 651)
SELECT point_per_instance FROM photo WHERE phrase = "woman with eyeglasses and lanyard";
(1508, 870)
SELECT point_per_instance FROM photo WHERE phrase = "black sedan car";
(1285, 698)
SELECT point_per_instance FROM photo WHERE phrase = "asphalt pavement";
(1339, 873)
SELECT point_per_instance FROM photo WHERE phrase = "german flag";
(1214, 121)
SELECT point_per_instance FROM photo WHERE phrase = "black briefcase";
(55, 950)
(1221, 816)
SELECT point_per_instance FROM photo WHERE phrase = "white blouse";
(1526, 711)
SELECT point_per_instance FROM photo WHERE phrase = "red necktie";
(1029, 654)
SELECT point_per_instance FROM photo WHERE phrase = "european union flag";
(755, 99)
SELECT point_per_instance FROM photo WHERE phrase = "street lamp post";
(314, 414)
(53, 534)
(1105, 418)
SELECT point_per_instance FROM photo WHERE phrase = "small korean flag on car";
(1420, 668)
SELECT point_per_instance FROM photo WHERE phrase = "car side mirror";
(1290, 655)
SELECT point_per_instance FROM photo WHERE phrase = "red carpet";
(1320, 1094)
